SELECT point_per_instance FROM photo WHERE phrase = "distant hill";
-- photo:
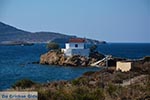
(9, 33)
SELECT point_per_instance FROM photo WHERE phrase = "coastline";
(108, 83)
(58, 58)
(91, 80)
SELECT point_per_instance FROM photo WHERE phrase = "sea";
(16, 62)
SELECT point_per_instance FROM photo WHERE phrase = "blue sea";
(16, 62)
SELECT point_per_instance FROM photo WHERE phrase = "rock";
(52, 58)
(146, 59)
(76, 61)
(92, 83)
(58, 58)
(96, 55)
(35, 62)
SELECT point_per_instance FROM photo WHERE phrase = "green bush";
(93, 48)
(98, 94)
(25, 83)
(42, 95)
(52, 46)
(80, 81)
(45, 95)
(89, 73)
(75, 82)
(85, 93)
(111, 89)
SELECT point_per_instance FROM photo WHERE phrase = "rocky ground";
(106, 84)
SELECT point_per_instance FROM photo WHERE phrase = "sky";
(108, 20)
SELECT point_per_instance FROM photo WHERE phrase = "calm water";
(126, 50)
(14, 62)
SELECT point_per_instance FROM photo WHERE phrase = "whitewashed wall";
(81, 52)
(72, 45)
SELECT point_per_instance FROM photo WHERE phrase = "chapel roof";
(76, 40)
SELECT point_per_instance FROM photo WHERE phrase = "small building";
(123, 66)
(76, 46)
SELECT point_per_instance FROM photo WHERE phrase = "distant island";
(10, 35)
(22, 43)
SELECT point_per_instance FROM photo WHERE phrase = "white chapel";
(76, 46)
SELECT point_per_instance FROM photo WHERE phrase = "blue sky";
(109, 20)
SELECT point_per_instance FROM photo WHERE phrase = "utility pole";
(106, 61)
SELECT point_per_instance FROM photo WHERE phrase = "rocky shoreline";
(106, 84)
(58, 58)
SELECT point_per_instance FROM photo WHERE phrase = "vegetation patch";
(25, 83)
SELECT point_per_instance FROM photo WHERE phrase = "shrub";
(93, 48)
(42, 95)
(89, 73)
(85, 93)
(75, 82)
(80, 81)
(52, 46)
(25, 83)
(45, 95)
(98, 94)
(112, 89)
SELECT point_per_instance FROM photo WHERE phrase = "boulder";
(76, 60)
(52, 58)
